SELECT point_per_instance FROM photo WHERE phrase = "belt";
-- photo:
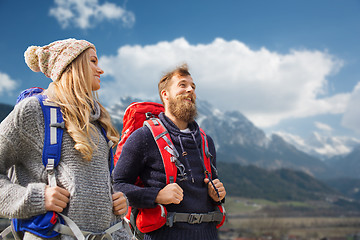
(193, 218)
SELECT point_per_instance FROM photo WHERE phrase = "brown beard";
(182, 109)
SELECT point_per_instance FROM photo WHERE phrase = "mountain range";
(5, 109)
(238, 141)
(274, 168)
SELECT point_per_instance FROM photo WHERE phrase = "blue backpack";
(46, 225)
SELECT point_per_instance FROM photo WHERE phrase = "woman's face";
(96, 70)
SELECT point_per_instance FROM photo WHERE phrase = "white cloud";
(351, 117)
(6, 83)
(323, 126)
(86, 13)
(266, 86)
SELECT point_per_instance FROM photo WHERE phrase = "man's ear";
(164, 95)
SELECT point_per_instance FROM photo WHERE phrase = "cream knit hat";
(55, 57)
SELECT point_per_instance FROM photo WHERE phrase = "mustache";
(191, 96)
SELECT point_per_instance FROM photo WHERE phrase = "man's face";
(182, 98)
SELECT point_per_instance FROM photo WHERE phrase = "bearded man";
(191, 194)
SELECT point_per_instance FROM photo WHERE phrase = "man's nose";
(189, 89)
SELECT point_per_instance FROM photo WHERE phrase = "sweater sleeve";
(20, 149)
(130, 166)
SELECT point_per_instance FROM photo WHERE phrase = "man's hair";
(182, 70)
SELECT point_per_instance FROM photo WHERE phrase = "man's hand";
(56, 198)
(171, 193)
(120, 204)
(220, 188)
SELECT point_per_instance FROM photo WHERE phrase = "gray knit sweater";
(89, 182)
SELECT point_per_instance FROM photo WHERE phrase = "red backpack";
(140, 221)
(134, 117)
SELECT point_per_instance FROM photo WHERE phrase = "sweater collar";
(95, 113)
(186, 138)
(193, 126)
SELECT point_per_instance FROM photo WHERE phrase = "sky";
(291, 67)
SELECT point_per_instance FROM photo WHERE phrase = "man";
(192, 192)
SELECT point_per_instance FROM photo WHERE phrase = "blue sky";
(291, 67)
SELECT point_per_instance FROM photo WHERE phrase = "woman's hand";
(56, 198)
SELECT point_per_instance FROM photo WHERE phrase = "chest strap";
(193, 218)
(73, 230)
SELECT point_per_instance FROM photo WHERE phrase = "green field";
(257, 218)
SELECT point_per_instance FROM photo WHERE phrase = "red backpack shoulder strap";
(205, 151)
(167, 150)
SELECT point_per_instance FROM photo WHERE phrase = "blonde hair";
(73, 93)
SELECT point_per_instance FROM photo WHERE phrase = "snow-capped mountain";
(322, 146)
(238, 140)
(118, 109)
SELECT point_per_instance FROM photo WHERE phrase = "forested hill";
(5, 110)
(282, 184)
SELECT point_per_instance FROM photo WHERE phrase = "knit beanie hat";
(55, 57)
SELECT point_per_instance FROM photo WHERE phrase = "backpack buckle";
(94, 236)
(58, 125)
(195, 218)
(50, 165)
(149, 115)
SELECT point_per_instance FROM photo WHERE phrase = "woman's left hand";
(120, 204)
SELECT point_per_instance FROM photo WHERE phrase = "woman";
(83, 192)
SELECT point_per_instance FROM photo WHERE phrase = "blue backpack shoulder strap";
(54, 129)
(111, 153)
(42, 225)
(28, 93)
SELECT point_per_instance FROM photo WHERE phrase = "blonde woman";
(83, 189)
